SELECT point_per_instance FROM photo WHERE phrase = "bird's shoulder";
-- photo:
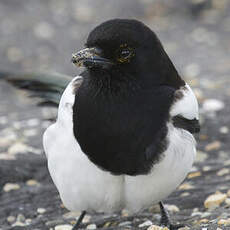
(68, 96)
(184, 112)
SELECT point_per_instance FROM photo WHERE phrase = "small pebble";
(185, 186)
(33, 122)
(11, 219)
(92, 226)
(196, 214)
(213, 105)
(193, 174)
(125, 223)
(223, 172)
(124, 213)
(185, 194)
(156, 227)
(21, 218)
(10, 186)
(227, 162)
(145, 224)
(214, 200)
(71, 215)
(206, 214)
(213, 146)
(18, 224)
(41, 210)
(201, 156)
(63, 227)
(203, 221)
(227, 201)
(172, 208)
(206, 168)
(224, 130)
(28, 221)
(225, 222)
(18, 147)
(32, 182)
(86, 219)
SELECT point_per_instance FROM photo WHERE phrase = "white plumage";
(84, 186)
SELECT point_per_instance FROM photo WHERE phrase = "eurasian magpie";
(123, 134)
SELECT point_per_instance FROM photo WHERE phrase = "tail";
(46, 86)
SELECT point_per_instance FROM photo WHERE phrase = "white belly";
(83, 186)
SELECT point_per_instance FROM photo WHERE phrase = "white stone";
(92, 226)
(10, 186)
(212, 105)
(33, 122)
(41, 210)
(11, 219)
(19, 224)
(145, 224)
(224, 130)
(172, 208)
(156, 227)
(18, 147)
(214, 200)
(63, 227)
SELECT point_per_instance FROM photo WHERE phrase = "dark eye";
(125, 54)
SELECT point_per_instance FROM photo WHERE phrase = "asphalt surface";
(40, 35)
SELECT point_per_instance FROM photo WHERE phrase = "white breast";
(83, 186)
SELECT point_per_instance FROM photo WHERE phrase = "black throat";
(121, 125)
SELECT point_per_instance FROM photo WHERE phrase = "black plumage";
(120, 113)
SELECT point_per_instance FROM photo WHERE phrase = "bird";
(123, 137)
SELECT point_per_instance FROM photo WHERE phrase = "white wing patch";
(187, 106)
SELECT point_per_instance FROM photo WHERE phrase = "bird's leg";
(165, 219)
(76, 226)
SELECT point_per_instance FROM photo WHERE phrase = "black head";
(124, 48)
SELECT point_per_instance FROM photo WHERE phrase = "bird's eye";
(125, 54)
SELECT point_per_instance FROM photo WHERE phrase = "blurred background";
(39, 35)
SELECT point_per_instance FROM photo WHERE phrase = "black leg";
(165, 219)
(76, 226)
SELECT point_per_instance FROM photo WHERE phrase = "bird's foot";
(165, 220)
(77, 225)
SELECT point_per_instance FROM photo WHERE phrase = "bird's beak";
(91, 57)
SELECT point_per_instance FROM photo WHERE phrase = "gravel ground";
(41, 35)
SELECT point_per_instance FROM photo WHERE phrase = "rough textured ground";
(41, 35)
